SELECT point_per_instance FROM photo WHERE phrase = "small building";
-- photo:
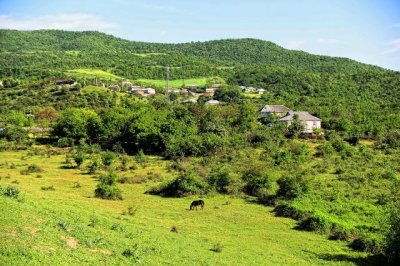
(149, 91)
(260, 91)
(249, 89)
(212, 102)
(66, 83)
(126, 84)
(190, 101)
(136, 89)
(210, 90)
(114, 88)
(191, 93)
(216, 86)
(309, 121)
(278, 110)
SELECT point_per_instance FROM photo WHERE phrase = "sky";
(364, 30)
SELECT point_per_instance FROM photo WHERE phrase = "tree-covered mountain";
(229, 52)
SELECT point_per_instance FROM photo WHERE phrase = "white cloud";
(163, 33)
(73, 21)
(294, 45)
(329, 41)
(393, 46)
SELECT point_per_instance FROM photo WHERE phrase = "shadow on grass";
(371, 260)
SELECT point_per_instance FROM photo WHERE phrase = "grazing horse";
(196, 203)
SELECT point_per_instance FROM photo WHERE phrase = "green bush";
(292, 186)
(187, 183)
(222, 180)
(108, 158)
(257, 183)
(107, 189)
(79, 158)
(10, 191)
(392, 247)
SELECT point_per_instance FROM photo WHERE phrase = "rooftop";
(303, 116)
(274, 109)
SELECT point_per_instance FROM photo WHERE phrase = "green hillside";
(90, 175)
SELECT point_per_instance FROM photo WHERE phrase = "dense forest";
(343, 182)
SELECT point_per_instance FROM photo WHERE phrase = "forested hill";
(229, 52)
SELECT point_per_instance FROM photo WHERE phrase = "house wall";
(308, 125)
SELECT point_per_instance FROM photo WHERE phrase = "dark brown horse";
(196, 203)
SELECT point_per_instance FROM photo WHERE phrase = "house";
(212, 102)
(278, 110)
(249, 89)
(190, 101)
(136, 89)
(126, 84)
(260, 91)
(216, 86)
(309, 121)
(66, 83)
(149, 91)
(210, 90)
(114, 88)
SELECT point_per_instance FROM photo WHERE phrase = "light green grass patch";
(92, 73)
(177, 83)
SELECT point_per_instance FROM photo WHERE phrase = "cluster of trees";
(157, 127)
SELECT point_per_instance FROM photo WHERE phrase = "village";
(191, 93)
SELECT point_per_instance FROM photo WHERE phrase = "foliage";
(10, 191)
(292, 186)
(185, 184)
(107, 188)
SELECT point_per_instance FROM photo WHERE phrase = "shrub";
(93, 221)
(51, 188)
(187, 183)
(292, 186)
(108, 158)
(256, 182)
(79, 158)
(65, 142)
(222, 180)
(317, 223)
(33, 168)
(11, 191)
(392, 246)
(107, 189)
(217, 248)
(368, 243)
(133, 252)
(94, 166)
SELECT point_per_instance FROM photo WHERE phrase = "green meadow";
(57, 220)
(177, 83)
(93, 73)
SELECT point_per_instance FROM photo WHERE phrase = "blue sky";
(364, 30)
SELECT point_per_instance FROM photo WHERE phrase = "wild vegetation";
(117, 163)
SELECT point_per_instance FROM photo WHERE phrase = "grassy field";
(92, 73)
(174, 83)
(68, 226)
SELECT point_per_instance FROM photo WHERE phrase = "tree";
(296, 127)
(228, 94)
(78, 124)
